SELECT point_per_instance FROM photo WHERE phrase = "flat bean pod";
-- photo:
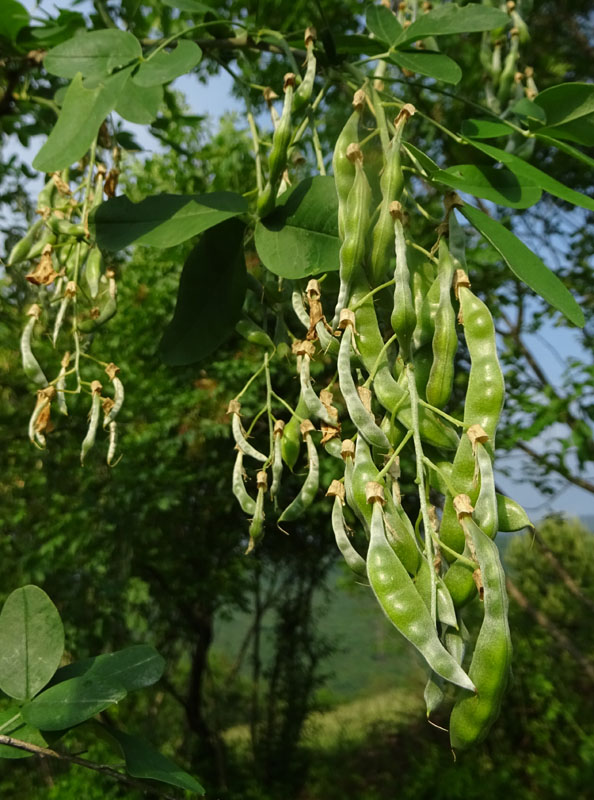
(351, 556)
(472, 717)
(445, 337)
(404, 606)
(308, 491)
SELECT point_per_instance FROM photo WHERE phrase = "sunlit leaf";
(94, 54)
(164, 67)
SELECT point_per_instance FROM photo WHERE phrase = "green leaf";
(452, 18)
(31, 642)
(188, 5)
(164, 67)
(485, 128)
(427, 62)
(300, 237)
(210, 297)
(566, 102)
(14, 17)
(569, 109)
(566, 148)
(526, 171)
(139, 104)
(82, 114)
(498, 185)
(529, 110)
(133, 668)
(12, 724)
(142, 761)
(94, 54)
(382, 23)
(71, 702)
(162, 220)
(357, 44)
(424, 161)
(525, 264)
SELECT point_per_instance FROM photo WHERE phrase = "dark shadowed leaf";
(498, 185)
(164, 67)
(162, 220)
(211, 293)
(94, 54)
(485, 128)
(569, 109)
(528, 267)
(142, 761)
(526, 171)
(13, 725)
(427, 62)
(133, 668)
(452, 18)
(31, 642)
(529, 110)
(81, 116)
(71, 702)
(300, 237)
(13, 17)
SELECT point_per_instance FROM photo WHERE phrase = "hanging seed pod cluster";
(74, 293)
(391, 395)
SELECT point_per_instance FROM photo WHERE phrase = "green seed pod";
(391, 185)
(350, 555)
(445, 337)
(509, 69)
(403, 605)
(393, 397)
(484, 401)
(66, 228)
(253, 333)
(291, 441)
(239, 434)
(356, 223)
(342, 167)
(248, 506)
(511, 515)
(472, 716)
(485, 510)
(305, 88)
(403, 317)
(277, 460)
(256, 529)
(446, 612)
(31, 366)
(21, 249)
(277, 160)
(309, 489)
(89, 439)
(93, 271)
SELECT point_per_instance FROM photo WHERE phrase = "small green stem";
(380, 356)
(287, 406)
(443, 414)
(393, 457)
(366, 297)
(251, 380)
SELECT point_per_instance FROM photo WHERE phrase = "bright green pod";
(509, 69)
(352, 558)
(291, 440)
(446, 613)
(473, 716)
(277, 160)
(403, 317)
(511, 515)
(445, 337)
(352, 250)
(342, 167)
(253, 333)
(66, 228)
(393, 397)
(403, 605)
(305, 88)
(93, 271)
(484, 402)
(391, 185)
(20, 252)
(308, 490)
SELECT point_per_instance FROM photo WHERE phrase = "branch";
(562, 640)
(561, 470)
(45, 752)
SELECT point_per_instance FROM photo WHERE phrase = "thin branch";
(561, 470)
(46, 752)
